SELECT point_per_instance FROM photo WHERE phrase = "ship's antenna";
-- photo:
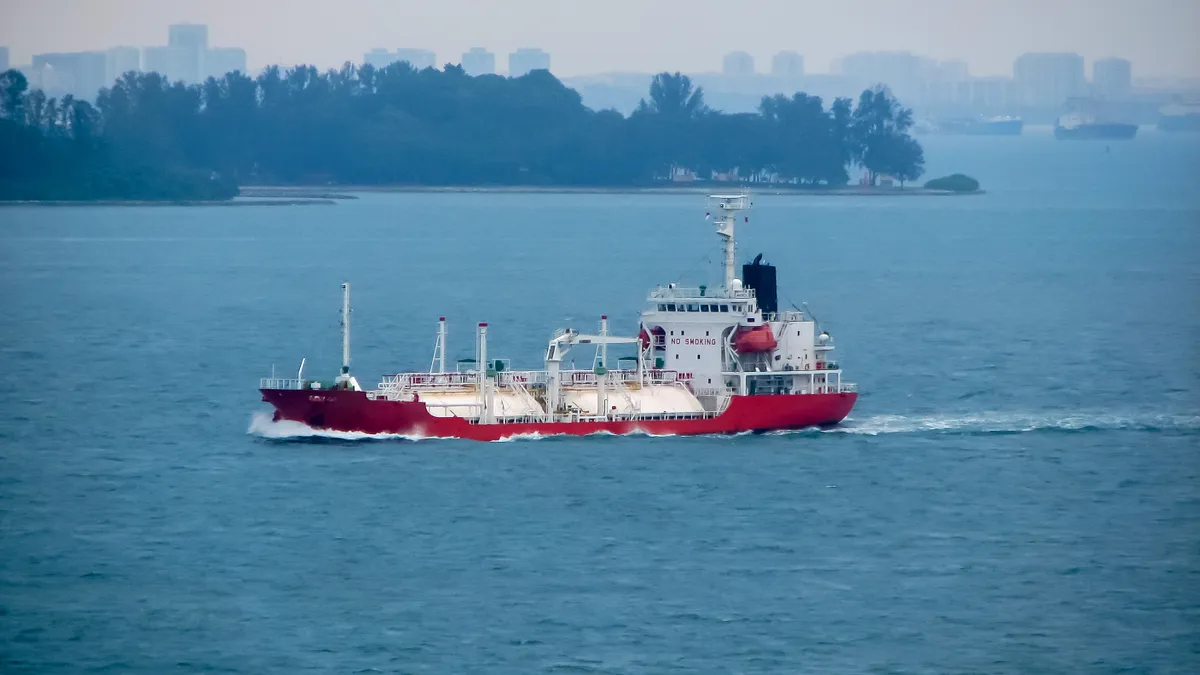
(727, 207)
(804, 308)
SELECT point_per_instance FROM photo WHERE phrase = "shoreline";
(345, 191)
(264, 195)
(297, 201)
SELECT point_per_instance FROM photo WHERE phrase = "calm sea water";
(1015, 492)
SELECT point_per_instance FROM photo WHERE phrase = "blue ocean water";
(1016, 490)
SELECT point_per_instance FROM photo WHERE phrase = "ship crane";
(562, 343)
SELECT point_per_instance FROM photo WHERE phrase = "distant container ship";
(981, 126)
(1089, 128)
(1180, 116)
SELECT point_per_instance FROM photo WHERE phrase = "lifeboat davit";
(754, 339)
(656, 336)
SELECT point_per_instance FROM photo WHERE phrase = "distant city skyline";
(629, 36)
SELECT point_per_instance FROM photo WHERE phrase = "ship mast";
(602, 370)
(345, 333)
(485, 384)
(442, 345)
(727, 207)
(438, 365)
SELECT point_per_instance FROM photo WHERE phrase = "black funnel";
(761, 277)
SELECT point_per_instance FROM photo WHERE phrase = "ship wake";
(1013, 423)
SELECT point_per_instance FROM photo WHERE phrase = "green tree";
(880, 139)
(148, 137)
(672, 95)
(12, 94)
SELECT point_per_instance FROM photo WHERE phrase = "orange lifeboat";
(754, 339)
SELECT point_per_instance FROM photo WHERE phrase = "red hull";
(352, 411)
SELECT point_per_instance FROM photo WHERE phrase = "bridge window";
(670, 308)
(703, 308)
(693, 308)
(724, 308)
(712, 308)
(662, 308)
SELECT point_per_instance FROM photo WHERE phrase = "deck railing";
(785, 316)
(401, 381)
(695, 293)
(280, 383)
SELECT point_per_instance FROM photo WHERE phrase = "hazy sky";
(1160, 36)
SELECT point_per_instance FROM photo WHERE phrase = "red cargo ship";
(705, 361)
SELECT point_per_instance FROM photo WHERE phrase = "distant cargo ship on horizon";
(973, 126)
(983, 126)
(1088, 128)
(1182, 115)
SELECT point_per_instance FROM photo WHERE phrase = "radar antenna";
(726, 208)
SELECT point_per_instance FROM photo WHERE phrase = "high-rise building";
(80, 74)
(1047, 80)
(174, 63)
(787, 64)
(1112, 78)
(993, 93)
(901, 72)
(121, 60)
(950, 71)
(188, 35)
(419, 59)
(379, 58)
(737, 64)
(479, 61)
(223, 60)
(43, 77)
(527, 60)
(3, 59)
(193, 40)
(945, 87)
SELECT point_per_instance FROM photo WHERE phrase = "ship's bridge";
(691, 327)
(671, 291)
(674, 298)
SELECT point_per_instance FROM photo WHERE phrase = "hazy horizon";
(628, 35)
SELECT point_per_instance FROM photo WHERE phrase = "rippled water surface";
(1016, 490)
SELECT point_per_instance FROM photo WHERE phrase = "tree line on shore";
(149, 138)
